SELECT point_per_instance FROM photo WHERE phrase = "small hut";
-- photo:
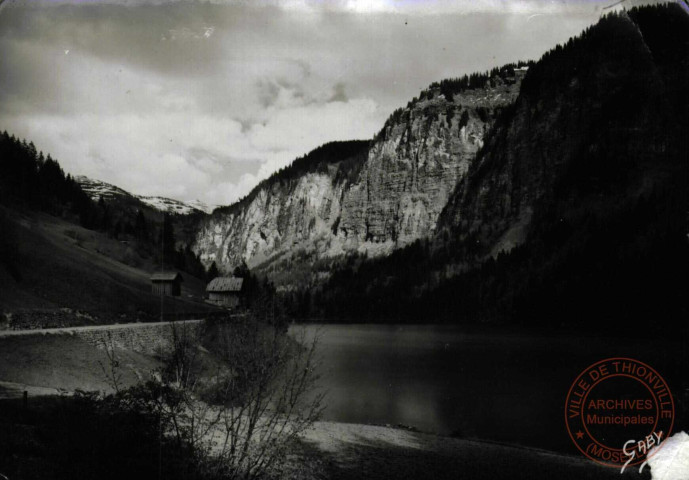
(167, 283)
(225, 291)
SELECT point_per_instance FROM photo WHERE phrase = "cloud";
(192, 157)
(203, 100)
(339, 94)
(405, 7)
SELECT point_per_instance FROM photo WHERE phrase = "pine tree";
(212, 272)
(241, 270)
(140, 227)
(168, 237)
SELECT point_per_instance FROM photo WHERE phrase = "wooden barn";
(167, 283)
(225, 291)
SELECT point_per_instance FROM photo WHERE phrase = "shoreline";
(354, 450)
(344, 451)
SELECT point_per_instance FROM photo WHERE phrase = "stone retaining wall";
(148, 338)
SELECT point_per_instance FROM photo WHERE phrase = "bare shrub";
(111, 367)
(266, 399)
(237, 395)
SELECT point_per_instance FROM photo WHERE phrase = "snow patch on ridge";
(97, 189)
(175, 206)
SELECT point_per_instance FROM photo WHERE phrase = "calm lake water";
(490, 385)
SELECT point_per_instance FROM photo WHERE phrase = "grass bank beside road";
(63, 361)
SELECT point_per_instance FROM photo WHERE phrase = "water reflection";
(499, 386)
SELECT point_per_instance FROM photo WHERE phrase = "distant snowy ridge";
(96, 189)
(175, 206)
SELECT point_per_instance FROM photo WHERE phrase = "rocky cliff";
(414, 165)
(298, 206)
(594, 127)
(574, 212)
(368, 197)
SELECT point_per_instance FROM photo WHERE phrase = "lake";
(492, 385)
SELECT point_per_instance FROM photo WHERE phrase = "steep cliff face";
(279, 217)
(574, 212)
(593, 123)
(415, 164)
(373, 197)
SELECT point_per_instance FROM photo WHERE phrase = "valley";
(414, 304)
(69, 275)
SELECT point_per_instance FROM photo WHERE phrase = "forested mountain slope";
(574, 211)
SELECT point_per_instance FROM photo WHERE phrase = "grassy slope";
(65, 266)
(65, 362)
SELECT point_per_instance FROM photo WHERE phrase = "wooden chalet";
(167, 283)
(225, 291)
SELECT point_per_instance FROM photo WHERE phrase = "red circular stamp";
(618, 410)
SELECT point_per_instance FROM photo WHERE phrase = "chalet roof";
(225, 284)
(166, 277)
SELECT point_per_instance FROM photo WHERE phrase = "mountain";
(596, 121)
(66, 259)
(573, 213)
(553, 195)
(176, 207)
(97, 189)
(368, 197)
(123, 207)
(64, 274)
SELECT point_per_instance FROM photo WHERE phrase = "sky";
(202, 100)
